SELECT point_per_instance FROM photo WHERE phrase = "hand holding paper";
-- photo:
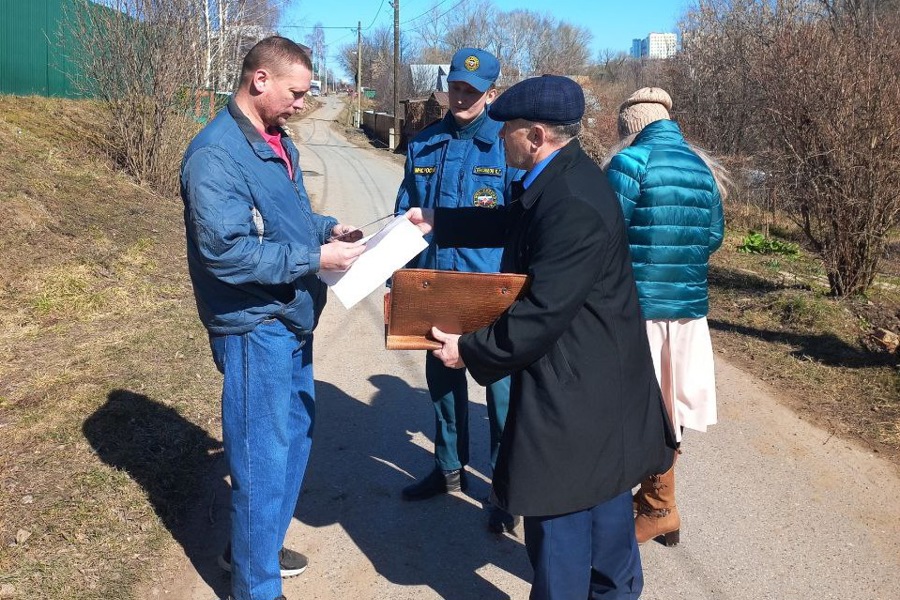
(382, 254)
(339, 256)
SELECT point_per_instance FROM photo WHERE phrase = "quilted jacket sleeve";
(625, 172)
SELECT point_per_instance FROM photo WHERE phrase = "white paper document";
(386, 251)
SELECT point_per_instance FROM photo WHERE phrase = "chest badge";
(492, 171)
(485, 198)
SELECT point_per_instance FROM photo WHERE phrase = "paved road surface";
(772, 507)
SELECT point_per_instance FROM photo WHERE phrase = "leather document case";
(452, 301)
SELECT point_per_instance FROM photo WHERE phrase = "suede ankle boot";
(657, 515)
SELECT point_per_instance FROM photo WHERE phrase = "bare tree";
(228, 28)
(470, 24)
(810, 88)
(512, 48)
(316, 42)
(560, 48)
(377, 63)
(431, 31)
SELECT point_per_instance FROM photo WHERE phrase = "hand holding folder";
(452, 301)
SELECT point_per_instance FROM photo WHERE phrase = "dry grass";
(773, 316)
(108, 398)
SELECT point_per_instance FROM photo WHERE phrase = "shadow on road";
(176, 463)
(362, 457)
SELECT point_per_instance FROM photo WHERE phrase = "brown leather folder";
(452, 301)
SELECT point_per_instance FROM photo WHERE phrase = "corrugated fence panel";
(37, 52)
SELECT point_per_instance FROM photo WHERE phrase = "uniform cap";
(475, 67)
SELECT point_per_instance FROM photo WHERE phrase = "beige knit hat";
(643, 107)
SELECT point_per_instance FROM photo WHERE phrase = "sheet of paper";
(386, 251)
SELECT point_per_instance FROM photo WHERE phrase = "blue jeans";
(586, 554)
(268, 408)
(449, 390)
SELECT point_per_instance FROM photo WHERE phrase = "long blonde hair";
(718, 170)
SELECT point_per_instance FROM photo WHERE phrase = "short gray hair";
(563, 133)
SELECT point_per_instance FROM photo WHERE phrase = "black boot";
(499, 520)
(437, 482)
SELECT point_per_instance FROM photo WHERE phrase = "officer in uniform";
(458, 162)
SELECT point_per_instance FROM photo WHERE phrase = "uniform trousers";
(586, 554)
(449, 389)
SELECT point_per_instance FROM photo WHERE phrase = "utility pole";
(358, 73)
(396, 74)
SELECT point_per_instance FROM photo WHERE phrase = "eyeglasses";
(362, 231)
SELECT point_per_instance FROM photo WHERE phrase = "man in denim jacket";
(254, 247)
(458, 162)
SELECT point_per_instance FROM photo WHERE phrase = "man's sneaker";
(437, 482)
(292, 563)
(499, 520)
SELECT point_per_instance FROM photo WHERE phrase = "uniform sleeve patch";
(485, 198)
(495, 171)
(424, 170)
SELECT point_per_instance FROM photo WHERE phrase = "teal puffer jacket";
(673, 213)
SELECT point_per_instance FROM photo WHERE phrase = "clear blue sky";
(614, 23)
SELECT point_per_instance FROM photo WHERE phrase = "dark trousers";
(449, 389)
(587, 554)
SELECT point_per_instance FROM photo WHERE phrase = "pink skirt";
(683, 358)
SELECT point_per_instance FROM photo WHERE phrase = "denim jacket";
(253, 242)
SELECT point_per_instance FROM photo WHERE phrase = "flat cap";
(549, 99)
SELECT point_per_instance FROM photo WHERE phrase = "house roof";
(443, 98)
(427, 77)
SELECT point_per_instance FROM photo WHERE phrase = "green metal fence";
(38, 53)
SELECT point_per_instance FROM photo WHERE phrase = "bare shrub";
(135, 65)
(145, 60)
(811, 91)
(835, 137)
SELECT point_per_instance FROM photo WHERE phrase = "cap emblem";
(472, 63)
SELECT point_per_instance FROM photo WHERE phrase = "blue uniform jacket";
(253, 242)
(673, 212)
(443, 171)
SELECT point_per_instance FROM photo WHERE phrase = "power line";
(352, 27)
(428, 11)
(416, 28)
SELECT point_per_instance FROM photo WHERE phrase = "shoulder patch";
(495, 171)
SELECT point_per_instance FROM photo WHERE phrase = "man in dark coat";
(586, 420)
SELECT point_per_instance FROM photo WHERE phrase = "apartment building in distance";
(655, 45)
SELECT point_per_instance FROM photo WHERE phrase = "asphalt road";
(772, 507)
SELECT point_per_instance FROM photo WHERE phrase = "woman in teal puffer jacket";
(671, 196)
